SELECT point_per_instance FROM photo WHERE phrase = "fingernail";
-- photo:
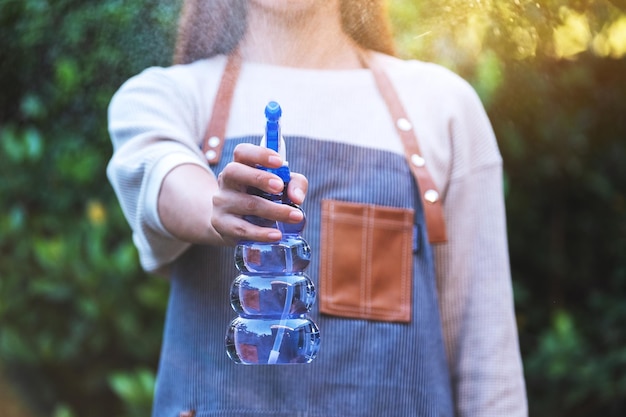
(298, 194)
(295, 215)
(276, 185)
(274, 235)
(274, 160)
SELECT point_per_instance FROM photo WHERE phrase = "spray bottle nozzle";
(273, 139)
(272, 126)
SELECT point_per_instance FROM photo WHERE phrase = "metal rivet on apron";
(188, 413)
(210, 154)
(404, 125)
(431, 196)
(214, 141)
(417, 160)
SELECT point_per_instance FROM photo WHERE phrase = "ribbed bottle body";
(272, 297)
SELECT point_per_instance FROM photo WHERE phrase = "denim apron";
(366, 367)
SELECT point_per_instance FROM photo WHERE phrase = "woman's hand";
(231, 202)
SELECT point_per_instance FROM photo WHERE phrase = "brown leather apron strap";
(215, 135)
(431, 200)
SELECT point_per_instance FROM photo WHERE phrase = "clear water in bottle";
(272, 295)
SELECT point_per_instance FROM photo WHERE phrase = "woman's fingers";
(234, 229)
(298, 187)
(230, 210)
(253, 155)
(232, 202)
(239, 177)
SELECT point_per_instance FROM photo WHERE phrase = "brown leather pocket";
(366, 261)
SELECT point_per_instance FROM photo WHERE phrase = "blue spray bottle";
(272, 295)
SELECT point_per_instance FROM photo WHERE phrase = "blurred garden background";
(80, 323)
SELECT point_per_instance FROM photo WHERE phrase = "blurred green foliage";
(563, 139)
(79, 321)
(80, 324)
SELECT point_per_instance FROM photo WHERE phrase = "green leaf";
(133, 387)
(11, 144)
(33, 144)
(67, 75)
(489, 76)
(32, 107)
(63, 410)
(50, 252)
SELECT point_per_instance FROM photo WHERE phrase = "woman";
(439, 340)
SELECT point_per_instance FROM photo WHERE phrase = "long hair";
(211, 27)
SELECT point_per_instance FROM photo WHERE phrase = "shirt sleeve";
(154, 129)
(473, 272)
